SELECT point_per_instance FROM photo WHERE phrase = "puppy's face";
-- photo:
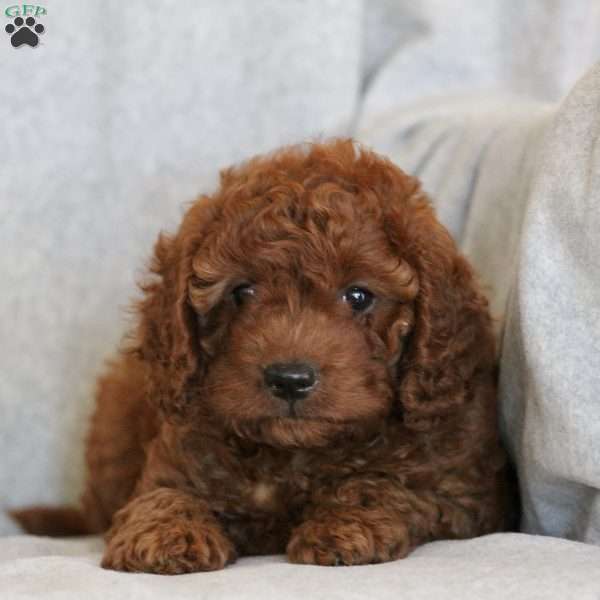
(302, 309)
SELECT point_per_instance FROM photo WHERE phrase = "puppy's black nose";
(290, 381)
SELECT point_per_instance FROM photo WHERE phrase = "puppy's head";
(314, 296)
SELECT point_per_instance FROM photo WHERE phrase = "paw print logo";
(24, 32)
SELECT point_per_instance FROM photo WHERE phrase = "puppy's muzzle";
(290, 381)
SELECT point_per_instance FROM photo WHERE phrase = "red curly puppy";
(313, 372)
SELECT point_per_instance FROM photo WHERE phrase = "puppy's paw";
(169, 548)
(339, 541)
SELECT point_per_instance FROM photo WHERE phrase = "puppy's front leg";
(365, 520)
(348, 536)
(166, 531)
(359, 520)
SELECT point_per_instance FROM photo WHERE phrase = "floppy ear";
(167, 339)
(449, 358)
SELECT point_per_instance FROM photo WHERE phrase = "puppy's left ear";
(167, 338)
(449, 358)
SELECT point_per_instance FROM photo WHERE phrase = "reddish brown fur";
(192, 462)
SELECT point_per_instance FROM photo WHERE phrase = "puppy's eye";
(242, 292)
(359, 299)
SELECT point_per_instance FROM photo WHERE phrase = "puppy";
(312, 372)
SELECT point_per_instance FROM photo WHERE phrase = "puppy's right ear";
(167, 338)
(449, 363)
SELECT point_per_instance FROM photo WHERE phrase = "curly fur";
(192, 462)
